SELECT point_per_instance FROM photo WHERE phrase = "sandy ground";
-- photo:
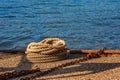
(105, 68)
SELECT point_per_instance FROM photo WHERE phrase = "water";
(85, 24)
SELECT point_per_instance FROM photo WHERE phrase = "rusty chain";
(14, 74)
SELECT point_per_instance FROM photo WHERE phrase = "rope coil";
(50, 49)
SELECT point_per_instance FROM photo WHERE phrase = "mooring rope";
(50, 49)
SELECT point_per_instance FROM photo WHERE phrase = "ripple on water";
(82, 24)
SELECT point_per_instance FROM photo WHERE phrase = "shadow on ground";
(24, 63)
(81, 69)
(91, 68)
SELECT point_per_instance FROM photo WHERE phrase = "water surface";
(85, 24)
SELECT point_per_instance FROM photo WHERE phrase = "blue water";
(85, 24)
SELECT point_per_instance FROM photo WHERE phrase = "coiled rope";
(50, 49)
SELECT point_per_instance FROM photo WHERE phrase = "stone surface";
(105, 68)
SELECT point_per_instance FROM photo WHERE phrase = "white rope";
(47, 48)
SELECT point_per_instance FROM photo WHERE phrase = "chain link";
(14, 74)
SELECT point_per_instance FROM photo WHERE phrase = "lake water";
(85, 24)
